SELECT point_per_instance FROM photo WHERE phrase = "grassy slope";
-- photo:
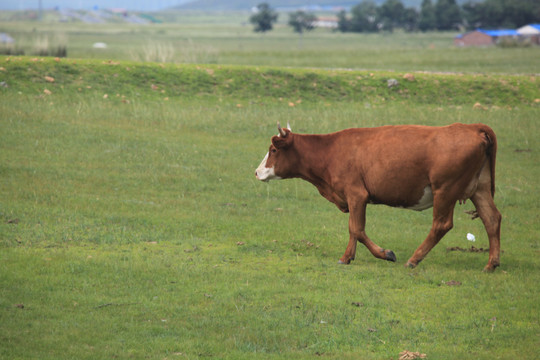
(131, 225)
(254, 83)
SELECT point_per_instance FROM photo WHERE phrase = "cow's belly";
(425, 202)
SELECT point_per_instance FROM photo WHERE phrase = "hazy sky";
(89, 4)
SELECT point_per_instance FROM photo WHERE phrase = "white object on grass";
(470, 237)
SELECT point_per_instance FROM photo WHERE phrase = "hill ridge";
(35, 75)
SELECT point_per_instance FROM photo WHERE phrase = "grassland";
(131, 225)
(228, 39)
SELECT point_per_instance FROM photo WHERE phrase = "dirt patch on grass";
(472, 249)
(453, 283)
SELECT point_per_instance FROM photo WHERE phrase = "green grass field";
(230, 40)
(132, 226)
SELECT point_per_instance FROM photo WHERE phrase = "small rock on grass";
(409, 355)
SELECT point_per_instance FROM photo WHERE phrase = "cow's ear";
(281, 142)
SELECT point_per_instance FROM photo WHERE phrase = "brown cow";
(413, 167)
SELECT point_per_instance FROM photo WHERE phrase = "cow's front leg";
(357, 221)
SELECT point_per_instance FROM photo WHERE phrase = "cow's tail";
(491, 151)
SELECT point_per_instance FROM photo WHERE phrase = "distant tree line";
(441, 15)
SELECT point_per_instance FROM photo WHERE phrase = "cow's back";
(396, 164)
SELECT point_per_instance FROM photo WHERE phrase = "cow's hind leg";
(443, 213)
(491, 217)
(357, 221)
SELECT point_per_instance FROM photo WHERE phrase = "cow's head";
(276, 164)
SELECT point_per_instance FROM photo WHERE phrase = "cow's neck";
(314, 163)
(313, 155)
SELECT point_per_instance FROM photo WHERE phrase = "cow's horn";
(281, 132)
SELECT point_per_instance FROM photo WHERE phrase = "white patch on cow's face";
(425, 202)
(264, 173)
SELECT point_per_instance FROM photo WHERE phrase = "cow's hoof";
(342, 262)
(390, 256)
(489, 268)
(410, 265)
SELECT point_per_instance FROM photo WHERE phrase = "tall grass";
(192, 52)
(184, 52)
(43, 46)
(155, 52)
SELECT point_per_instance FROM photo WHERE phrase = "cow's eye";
(273, 151)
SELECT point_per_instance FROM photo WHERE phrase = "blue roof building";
(482, 37)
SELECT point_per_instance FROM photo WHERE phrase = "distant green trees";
(441, 15)
(302, 21)
(501, 13)
(368, 17)
(427, 20)
(264, 18)
(438, 15)
(447, 15)
(364, 17)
